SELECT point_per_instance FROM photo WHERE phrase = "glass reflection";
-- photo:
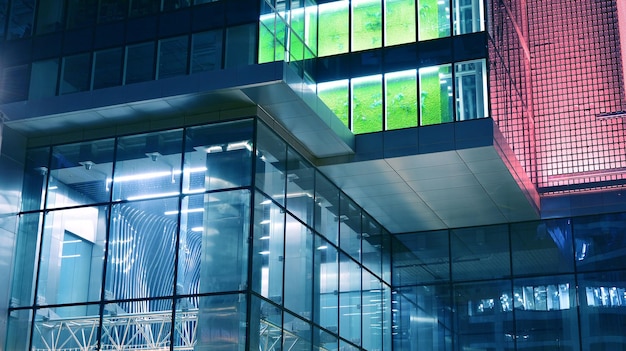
(72, 254)
(148, 166)
(141, 250)
(57, 328)
(435, 94)
(326, 284)
(268, 250)
(80, 174)
(300, 187)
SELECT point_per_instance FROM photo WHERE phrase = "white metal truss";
(143, 331)
(127, 332)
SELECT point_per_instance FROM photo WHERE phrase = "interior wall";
(12, 154)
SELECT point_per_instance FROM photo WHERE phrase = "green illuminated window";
(267, 41)
(401, 99)
(333, 31)
(399, 22)
(366, 24)
(434, 19)
(435, 94)
(310, 32)
(335, 96)
(367, 104)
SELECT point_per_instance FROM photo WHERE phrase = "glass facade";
(389, 101)
(211, 236)
(543, 285)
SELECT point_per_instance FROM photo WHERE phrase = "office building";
(340, 175)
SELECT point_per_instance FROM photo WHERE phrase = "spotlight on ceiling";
(153, 155)
(87, 164)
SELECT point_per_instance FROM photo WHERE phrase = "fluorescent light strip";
(151, 196)
(152, 175)
(191, 210)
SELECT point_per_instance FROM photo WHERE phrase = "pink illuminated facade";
(560, 106)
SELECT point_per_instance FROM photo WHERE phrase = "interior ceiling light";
(152, 175)
(153, 155)
(87, 164)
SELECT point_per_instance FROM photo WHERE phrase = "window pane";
(49, 16)
(112, 10)
(468, 16)
(599, 241)
(80, 173)
(371, 244)
(81, 13)
(300, 183)
(267, 39)
(471, 90)
(349, 300)
(207, 51)
(372, 317)
(480, 253)
(435, 94)
(240, 46)
(148, 166)
(43, 79)
(298, 268)
(220, 157)
(75, 76)
(602, 319)
(481, 318)
(268, 251)
(271, 164)
(225, 229)
(173, 57)
(25, 262)
(399, 22)
(367, 104)
(366, 24)
(139, 63)
(107, 70)
(310, 33)
(144, 7)
(335, 96)
(296, 38)
(148, 324)
(60, 325)
(35, 177)
(326, 284)
(542, 247)
(434, 19)
(327, 208)
(18, 331)
(14, 84)
(401, 103)
(333, 28)
(21, 19)
(141, 250)
(548, 315)
(72, 253)
(170, 5)
(421, 257)
(350, 227)
(221, 321)
(3, 16)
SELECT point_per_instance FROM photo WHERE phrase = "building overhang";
(442, 176)
(275, 88)
(426, 178)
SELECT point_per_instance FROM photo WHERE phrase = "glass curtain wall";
(544, 285)
(216, 236)
(390, 101)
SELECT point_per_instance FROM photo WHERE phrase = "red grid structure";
(574, 77)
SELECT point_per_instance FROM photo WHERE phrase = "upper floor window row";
(346, 26)
(23, 18)
(169, 57)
